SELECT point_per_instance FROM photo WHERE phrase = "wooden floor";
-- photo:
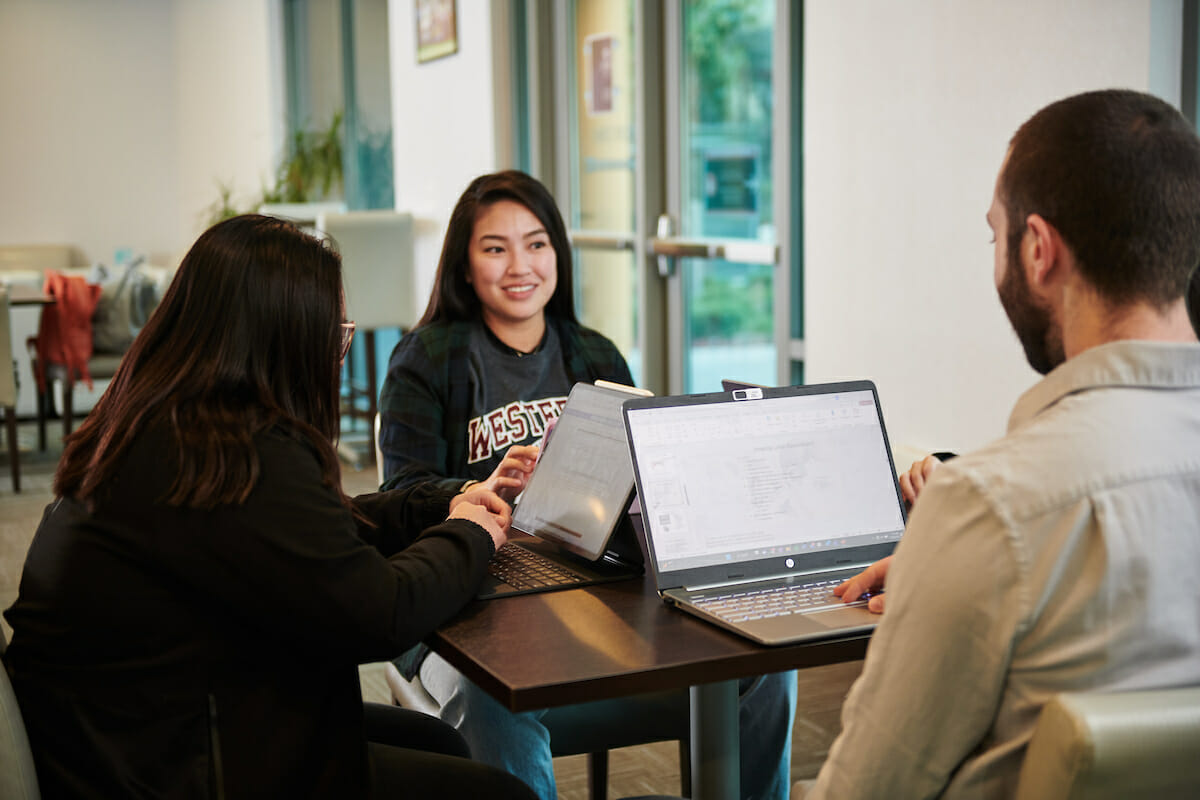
(643, 770)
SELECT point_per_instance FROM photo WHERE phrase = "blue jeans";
(520, 742)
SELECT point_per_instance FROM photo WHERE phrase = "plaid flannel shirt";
(425, 403)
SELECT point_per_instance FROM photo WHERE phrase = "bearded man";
(1065, 556)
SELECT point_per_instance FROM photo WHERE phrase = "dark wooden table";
(556, 648)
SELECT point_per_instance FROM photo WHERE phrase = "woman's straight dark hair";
(246, 337)
(452, 298)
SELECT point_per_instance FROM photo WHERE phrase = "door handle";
(726, 249)
(664, 230)
(602, 240)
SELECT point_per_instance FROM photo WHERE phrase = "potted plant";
(310, 175)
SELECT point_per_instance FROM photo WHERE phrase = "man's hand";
(913, 481)
(512, 473)
(485, 508)
(869, 581)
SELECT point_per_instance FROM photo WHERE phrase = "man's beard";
(1038, 334)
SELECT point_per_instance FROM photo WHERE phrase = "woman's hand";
(510, 476)
(486, 509)
(868, 582)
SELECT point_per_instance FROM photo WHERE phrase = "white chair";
(18, 779)
(378, 275)
(26, 265)
(8, 389)
(1102, 745)
(101, 366)
(303, 214)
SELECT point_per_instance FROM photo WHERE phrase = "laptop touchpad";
(844, 617)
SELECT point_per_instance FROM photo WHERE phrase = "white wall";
(118, 118)
(444, 124)
(86, 150)
(229, 104)
(908, 109)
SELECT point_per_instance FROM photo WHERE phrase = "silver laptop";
(757, 502)
(575, 504)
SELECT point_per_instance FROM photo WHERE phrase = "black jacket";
(426, 399)
(167, 652)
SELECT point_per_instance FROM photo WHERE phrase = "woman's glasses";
(347, 337)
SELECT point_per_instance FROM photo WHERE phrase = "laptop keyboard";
(523, 569)
(779, 601)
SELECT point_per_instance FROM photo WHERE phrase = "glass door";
(601, 173)
(721, 246)
(673, 146)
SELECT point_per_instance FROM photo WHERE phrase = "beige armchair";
(1115, 745)
(18, 778)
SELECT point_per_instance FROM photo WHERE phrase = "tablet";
(583, 482)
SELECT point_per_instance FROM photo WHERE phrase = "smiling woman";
(499, 334)
(513, 272)
(468, 393)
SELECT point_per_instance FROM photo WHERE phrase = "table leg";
(716, 771)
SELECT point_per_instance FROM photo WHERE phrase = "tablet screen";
(583, 481)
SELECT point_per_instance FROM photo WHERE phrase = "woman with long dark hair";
(199, 594)
(468, 392)
(498, 348)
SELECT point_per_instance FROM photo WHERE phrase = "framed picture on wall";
(598, 72)
(437, 29)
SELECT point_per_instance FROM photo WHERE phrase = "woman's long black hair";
(246, 337)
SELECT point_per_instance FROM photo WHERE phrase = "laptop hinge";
(767, 578)
(616, 558)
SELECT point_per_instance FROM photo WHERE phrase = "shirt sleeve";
(395, 518)
(936, 667)
(291, 562)
(412, 420)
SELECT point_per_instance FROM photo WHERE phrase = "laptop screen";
(780, 472)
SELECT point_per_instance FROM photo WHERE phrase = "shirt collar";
(1144, 364)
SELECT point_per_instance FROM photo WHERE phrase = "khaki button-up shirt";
(1063, 557)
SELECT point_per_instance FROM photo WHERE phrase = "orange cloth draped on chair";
(65, 330)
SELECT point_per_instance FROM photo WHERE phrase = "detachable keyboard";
(779, 601)
(523, 569)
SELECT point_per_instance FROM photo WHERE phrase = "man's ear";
(1042, 251)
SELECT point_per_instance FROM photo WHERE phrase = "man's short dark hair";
(1117, 173)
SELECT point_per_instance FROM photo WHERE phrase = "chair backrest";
(18, 780)
(25, 263)
(377, 266)
(1115, 745)
(8, 381)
